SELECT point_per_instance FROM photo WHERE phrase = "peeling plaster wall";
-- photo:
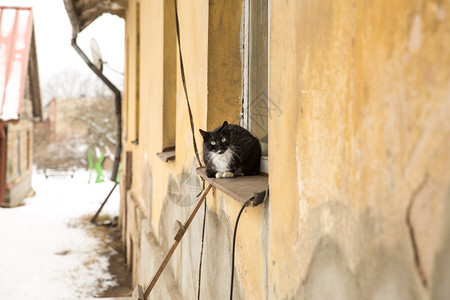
(359, 102)
(364, 92)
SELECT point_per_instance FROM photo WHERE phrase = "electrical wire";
(234, 243)
(201, 252)
(191, 119)
(183, 78)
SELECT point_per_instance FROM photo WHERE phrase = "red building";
(20, 103)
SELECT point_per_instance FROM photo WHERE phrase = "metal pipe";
(118, 103)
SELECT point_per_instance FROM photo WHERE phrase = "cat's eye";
(213, 143)
(224, 140)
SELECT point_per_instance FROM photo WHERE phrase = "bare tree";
(72, 84)
(82, 124)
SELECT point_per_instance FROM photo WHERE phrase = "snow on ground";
(45, 250)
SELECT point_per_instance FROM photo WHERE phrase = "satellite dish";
(96, 55)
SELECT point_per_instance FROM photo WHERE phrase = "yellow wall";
(358, 159)
(224, 62)
(363, 88)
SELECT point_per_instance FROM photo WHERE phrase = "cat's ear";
(224, 128)
(204, 134)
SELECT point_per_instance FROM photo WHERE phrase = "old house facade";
(72, 127)
(350, 100)
(20, 103)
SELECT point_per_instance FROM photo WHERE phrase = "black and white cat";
(230, 150)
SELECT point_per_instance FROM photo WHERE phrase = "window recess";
(255, 102)
(168, 154)
(169, 83)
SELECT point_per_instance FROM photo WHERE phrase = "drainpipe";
(2, 163)
(118, 102)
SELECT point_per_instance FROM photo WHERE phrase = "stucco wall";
(363, 185)
(358, 154)
(147, 199)
(153, 203)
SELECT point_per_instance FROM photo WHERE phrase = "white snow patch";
(45, 252)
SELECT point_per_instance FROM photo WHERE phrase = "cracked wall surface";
(364, 91)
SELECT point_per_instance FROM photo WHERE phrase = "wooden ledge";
(240, 188)
(168, 154)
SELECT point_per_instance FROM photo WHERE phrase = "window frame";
(245, 119)
(137, 70)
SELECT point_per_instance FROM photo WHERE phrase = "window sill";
(167, 155)
(240, 188)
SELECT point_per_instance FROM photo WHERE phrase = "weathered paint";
(364, 91)
(19, 158)
(358, 152)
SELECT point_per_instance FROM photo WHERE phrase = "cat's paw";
(219, 175)
(227, 174)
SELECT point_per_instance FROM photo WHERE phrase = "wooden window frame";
(247, 98)
(138, 74)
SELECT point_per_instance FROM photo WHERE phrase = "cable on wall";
(191, 119)
(234, 244)
(255, 200)
(183, 78)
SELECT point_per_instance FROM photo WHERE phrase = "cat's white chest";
(221, 161)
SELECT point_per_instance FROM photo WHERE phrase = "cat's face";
(217, 140)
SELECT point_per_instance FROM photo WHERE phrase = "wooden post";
(103, 204)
